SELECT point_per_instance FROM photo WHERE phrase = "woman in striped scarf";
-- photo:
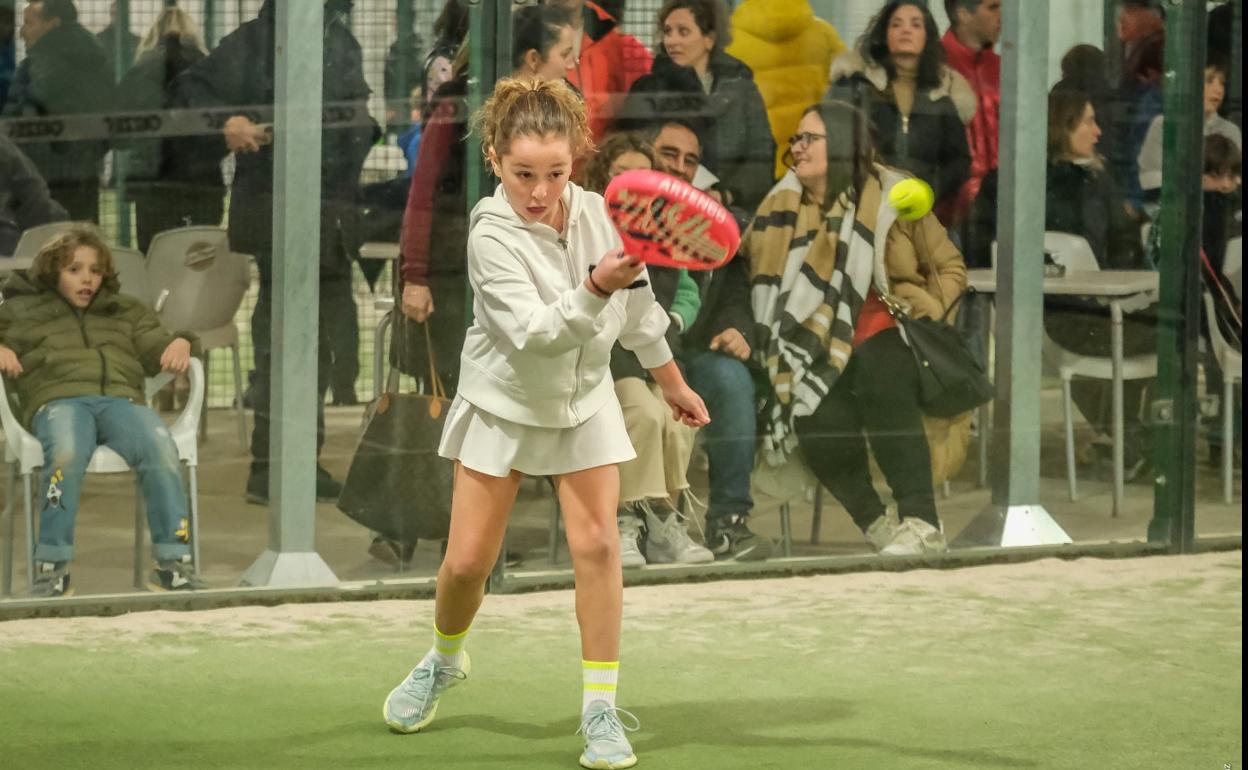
(831, 263)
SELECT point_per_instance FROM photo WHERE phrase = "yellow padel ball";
(912, 198)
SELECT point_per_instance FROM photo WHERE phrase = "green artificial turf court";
(1131, 663)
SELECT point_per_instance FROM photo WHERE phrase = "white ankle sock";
(448, 649)
(599, 681)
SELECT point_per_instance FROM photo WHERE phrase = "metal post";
(1015, 516)
(121, 62)
(489, 36)
(291, 558)
(405, 17)
(1236, 75)
(1112, 45)
(210, 24)
(1175, 409)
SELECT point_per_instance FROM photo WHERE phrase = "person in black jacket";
(713, 352)
(693, 77)
(24, 198)
(918, 106)
(173, 182)
(239, 73)
(64, 73)
(1083, 200)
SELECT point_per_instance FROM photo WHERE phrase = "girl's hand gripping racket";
(666, 221)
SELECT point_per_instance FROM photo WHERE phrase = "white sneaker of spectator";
(667, 540)
(883, 530)
(914, 537)
(630, 533)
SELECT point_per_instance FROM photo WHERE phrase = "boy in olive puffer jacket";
(78, 353)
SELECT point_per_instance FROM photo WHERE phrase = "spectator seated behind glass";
(1082, 199)
(834, 387)
(654, 489)
(1150, 157)
(920, 108)
(78, 352)
(24, 198)
(714, 351)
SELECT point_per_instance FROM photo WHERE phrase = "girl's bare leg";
(480, 507)
(588, 499)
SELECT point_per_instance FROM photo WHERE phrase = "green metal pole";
(121, 158)
(1175, 407)
(210, 24)
(1236, 74)
(1112, 45)
(405, 17)
(291, 558)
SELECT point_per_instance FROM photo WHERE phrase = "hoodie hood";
(852, 64)
(496, 211)
(773, 20)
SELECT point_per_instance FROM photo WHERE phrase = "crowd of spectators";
(793, 345)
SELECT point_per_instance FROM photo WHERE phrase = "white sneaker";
(882, 531)
(630, 532)
(667, 540)
(914, 537)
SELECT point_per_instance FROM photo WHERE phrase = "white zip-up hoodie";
(539, 348)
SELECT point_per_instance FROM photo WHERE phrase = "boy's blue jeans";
(70, 429)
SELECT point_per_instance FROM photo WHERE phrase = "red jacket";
(610, 62)
(982, 69)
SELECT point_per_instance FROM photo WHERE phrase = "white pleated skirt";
(494, 446)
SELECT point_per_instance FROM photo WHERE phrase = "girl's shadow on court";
(785, 724)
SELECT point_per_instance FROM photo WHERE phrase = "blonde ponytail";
(532, 107)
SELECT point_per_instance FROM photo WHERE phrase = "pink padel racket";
(668, 222)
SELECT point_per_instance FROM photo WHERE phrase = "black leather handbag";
(951, 381)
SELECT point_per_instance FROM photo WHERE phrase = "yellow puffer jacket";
(791, 53)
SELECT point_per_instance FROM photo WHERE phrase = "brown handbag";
(398, 486)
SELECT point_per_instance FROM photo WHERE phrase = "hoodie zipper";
(903, 141)
(580, 350)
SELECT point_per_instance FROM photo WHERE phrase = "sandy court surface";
(968, 597)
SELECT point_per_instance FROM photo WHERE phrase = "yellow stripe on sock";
(601, 665)
(599, 686)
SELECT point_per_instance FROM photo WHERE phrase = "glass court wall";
(1108, 429)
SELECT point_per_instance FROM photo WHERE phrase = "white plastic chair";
(198, 285)
(24, 455)
(1231, 362)
(1233, 265)
(131, 268)
(32, 240)
(1075, 254)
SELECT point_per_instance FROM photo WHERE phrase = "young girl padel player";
(552, 293)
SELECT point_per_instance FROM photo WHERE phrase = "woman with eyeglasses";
(920, 108)
(695, 79)
(831, 262)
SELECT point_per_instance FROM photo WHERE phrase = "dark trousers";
(1087, 332)
(876, 400)
(335, 310)
(80, 197)
(160, 207)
